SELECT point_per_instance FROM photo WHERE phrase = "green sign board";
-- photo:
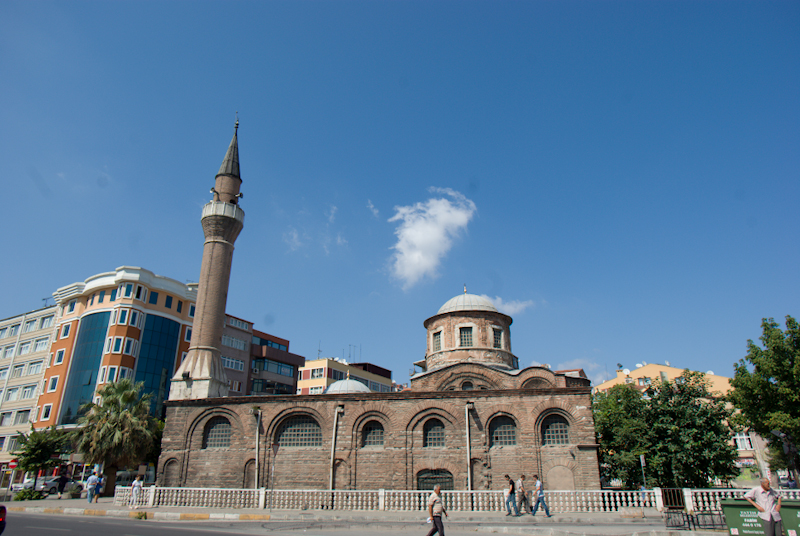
(742, 518)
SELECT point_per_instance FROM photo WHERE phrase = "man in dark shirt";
(511, 498)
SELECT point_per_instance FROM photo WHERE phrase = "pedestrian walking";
(511, 498)
(435, 511)
(538, 490)
(136, 491)
(91, 486)
(101, 482)
(768, 503)
(62, 482)
(522, 496)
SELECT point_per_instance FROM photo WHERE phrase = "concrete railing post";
(659, 499)
(381, 499)
(151, 499)
(262, 498)
(687, 500)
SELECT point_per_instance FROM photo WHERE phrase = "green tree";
(622, 432)
(119, 431)
(690, 434)
(766, 384)
(680, 428)
(40, 449)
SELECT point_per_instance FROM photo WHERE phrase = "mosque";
(470, 414)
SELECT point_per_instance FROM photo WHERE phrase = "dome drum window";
(300, 431)
(555, 430)
(217, 433)
(437, 341)
(465, 337)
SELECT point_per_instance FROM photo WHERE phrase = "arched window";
(502, 432)
(217, 433)
(467, 386)
(372, 434)
(429, 478)
(300, 431)
(433, 433)
(555, 430)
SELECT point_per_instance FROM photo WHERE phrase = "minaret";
(201, 374)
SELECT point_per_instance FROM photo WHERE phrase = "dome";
(467, 302)
(346, 386)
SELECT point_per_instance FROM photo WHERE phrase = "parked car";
(48, 485)
(2, 518)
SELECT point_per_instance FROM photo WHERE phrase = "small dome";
(467, 302)
(346, 386)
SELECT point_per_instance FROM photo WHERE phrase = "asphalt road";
(24, 524)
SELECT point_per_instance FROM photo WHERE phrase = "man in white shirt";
(522, 496)
(538, 491)
(768, 503)
(91, 485)
(435, 510)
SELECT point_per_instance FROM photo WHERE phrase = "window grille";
(217, 433)
(498, 338)
(555, 430)
(300, 431)
(437, 341)
(433, 434)
(429, 478)
(373, 434)
(465, 337)
(503, 432)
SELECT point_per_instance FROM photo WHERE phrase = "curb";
(135, 514)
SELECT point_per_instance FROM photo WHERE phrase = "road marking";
(46, 528)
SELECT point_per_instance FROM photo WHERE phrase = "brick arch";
(562, 462)
(372, 412)
(171, 473)
(423, 411)
(425, 465)
(475, 374)
(201, 419)
(280, 417)
(531, 373)
(551, 405)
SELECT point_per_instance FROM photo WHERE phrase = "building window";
(128, 292)
(52, 384)
(233, 364)
(191, 311)
(101, 296)
(467, 386)
(41, 345)
(59, 357)
(317, 373)
(644, 382)
(30, 325)
(502, 432)
(743, 441)
(153, 298)
(498, 338)
(18, 371)
(3, 332)
(241, 324)
(25, 348)
(71, 306)
(112, 374)
(47, 322)
(300, 431)
(9, 352)
(13, 330)
(188, 335)
(233, 342)
(437, 341)
(141, 292)
(180, 306)
(22, 417)
(372, 434)
(117, 345)
(217, 433)
(134, 319)
(465, 337)
(168, 302)
(35, 367)
(29, 391)
(555, 430)
(123, 317)
(3, 374)
(5, 419)
(315, 390)
(46, 411)
(129, 346)
(65, 331)
(429, 478)
(433, 433)
(113, 295)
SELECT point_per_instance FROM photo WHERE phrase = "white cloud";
(372, 208)
(292, 238)
(340, 240)
(426, 234)
(511, 307)
(332, 214)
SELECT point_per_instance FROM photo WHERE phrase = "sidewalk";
(566, 523)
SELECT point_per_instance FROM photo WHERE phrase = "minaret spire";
(201, 374)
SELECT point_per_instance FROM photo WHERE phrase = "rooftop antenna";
(44, 301)
(319, 348)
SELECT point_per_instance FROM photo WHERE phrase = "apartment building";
(318, 374)
(274, 370)
(24, 351)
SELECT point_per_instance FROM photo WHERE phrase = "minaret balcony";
(218, 208)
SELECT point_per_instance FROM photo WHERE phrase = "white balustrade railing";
(702, 500)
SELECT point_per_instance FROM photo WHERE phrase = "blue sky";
(620, 177)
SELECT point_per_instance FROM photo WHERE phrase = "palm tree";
(119, 431)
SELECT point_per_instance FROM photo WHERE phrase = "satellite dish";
(626, 371)
(667, 363)
(710, 372)
(638, 365)
(644, 362)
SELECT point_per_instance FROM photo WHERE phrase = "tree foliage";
(680, 428)
(766, 384)
(119, 431)
(40, 449)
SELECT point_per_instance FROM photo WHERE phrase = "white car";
(48, 485)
